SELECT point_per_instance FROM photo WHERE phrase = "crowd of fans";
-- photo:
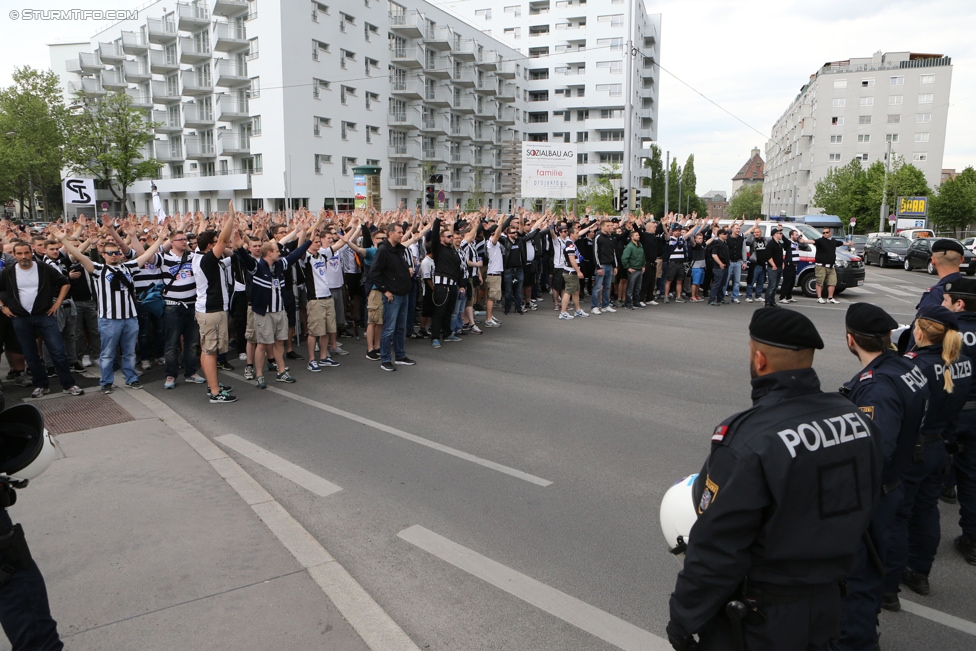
(133, 293)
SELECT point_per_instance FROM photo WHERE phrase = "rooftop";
(753, 170)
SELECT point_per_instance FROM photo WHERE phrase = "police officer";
(947, 255)
(783, 500)
(892, 392)
(960, 297)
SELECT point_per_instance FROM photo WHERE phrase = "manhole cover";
(70, 414)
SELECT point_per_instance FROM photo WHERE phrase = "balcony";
(139, 98)
(169, 152)
(111, 53)
(487, 111)
(434, 124)
(192, 17)
(232, 109)
(168, 123)
(199, 148)
(439, 38)
(506, 92)
(408, 119)
(231, 74)
(113, 80)
(488, 86)
(197, 116)
(165, 93)
(136, 71)
(407, 57)
(466, 50)
(410, 24)
(233, 144)
(438, 95)
(440, 69)
(399, 183)
(506, 70)
(134, 43)
(465, 103)
(436, 153)
(161, 62)
(229, 8)
(72, 65)
(407, 88)
(488, 60)
(463, 77)
(92, 86)
(89, 62)
(194, 84)
(506, 116)
(161, 31)
(484, 134)
(230, 37)
(462, 130)
(460, 157)
(401, 150)
(193, 52)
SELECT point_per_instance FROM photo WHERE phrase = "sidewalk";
(144, 546)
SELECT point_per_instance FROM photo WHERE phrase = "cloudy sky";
(750, 58)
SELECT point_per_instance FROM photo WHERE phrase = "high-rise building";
(276, 103)
(854, 109)
(574, 72)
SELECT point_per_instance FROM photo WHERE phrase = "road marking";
(601, 624)
(311, 482)
(939, 617)
(532, 479)
(861, 288)
(892, 290)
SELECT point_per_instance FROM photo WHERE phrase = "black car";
(919, 256)
(886, 251)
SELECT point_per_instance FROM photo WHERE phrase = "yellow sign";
(912, 206)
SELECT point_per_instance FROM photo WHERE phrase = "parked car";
(969, 243)
(916, 233)
(859, 241)
(886, 250)
(919, 256)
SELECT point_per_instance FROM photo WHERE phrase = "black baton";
(736, 612)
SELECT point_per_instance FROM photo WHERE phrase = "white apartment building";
(574, 73)
(275, 103)
(854, 109)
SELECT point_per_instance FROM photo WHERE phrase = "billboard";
(912, 206)
(359, 185)
(548, 170)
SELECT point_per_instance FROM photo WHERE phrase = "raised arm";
(150, 253)
(224, 237)
(83, 259)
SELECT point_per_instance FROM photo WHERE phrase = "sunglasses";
(113, 253)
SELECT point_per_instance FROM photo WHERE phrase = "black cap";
(939, 314)
(782, 328)
(961, 287)
(947, 245)
(869, 320)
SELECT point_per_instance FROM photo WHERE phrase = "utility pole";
(793, 214)
(667, 180)
(884, 193)
(629, 105)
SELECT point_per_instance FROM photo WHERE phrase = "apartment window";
(581, 91)
(582, 136)
(898, 81)
(867, 83)
(864, 119)
(838, 102)
(891, 137)
(252, 48)
(540, 73)
(581, 179)
(347, 164)
(923, 118)
(320, 160)
(862, 157)
(484, 14)
(320, 123)
(515, 10)
(894, 118)
(319, 85)
(252, 10)
(317, 47)
(896, 100)
(582, 114)
(258, 169)
(398, 174)
(512, 32)
(926, 79)
(840, 83)
(371, 98)
(347, 127)
(837, 121)
(922, 136)
(833, 158)
(616, 67)
(611, 136)
(609, 114)
(615, 90)
(925, 98)
(255, 87)
(867, 101)
(347, 91)
(836, 140)
(345, 18)
(920, 156)
(318, 8)
(612, 157)
(613, 43)
(615, 20)
(370, 31)
(582, 158)
(370, 132)
(256, 125)
(864, 137)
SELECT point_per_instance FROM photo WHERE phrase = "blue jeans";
(512, 281)
(394, 327)
(735, 273)
(755, 288)
(457, 317)
(598, 298)
(181, 322)
(773, 276)
(28, 329)
(117, 333)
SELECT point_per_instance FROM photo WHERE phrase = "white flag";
(158, 206)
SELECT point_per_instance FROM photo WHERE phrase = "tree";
(904, 180)
(33, 128)
(652, 199)
(674, 178)
(844, 192)
(600, 197)
(955, 204)
(108, 142)
(690, 201)
(747, 201)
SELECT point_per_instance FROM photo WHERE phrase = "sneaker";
(653, 302)
(821, 300)
(609, 308)
(170, 383)
(581, 313)
(135, 384)
(596, 311)
(453, 338)
(249, 372)
(748, 300)
(373, 355)
(681, 300)
(273, 366)
(78, 367)
(52, 372)
(966, 547)
(328, 362)
(425, 333)
(495, 321)
(735, 300)
(565, 316)
(949, 495)
(833, 300)
(492, 324)
(224, 366)
(388, 366)
(337, 351)
(916, 581)
(436, 343)
(39, 391)
(291, 354)
(86, 361)
(74, 391)
(284, 377)
(222, 397)
(261, 383)
(890, 602)
(475, 330)
(641, 304)
(792, 300)
(146, 365)
(404, 361)
(195, 379)
(242, 357)
(313, 366)
(108, 388)
(533, 306)
(667, 300)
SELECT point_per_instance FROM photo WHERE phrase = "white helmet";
(26, 447)
(678, 514)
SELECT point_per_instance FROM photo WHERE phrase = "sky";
(749, 58)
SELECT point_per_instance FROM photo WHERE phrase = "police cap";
(782, 328)
(939, 314)
(947, 245)
(869, 320)
(961, 287)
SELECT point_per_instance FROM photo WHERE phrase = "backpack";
(152, 300)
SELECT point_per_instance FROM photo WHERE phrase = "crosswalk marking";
(307, 480)
(939, 617)
(892, 290)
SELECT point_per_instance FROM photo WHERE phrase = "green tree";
(955, 204)
(33, 128)
(652, 199)
(109, 142)
(674, 184)
(600, 196)
(691, 202)
(904, 180)
(747, 201)
(845, 192)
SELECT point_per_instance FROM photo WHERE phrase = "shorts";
(658, 268)
(826, 276)
(676, 270)
(213, 332)
(494, 285)
(321, 317)
(697, 275)
(558, 284)
(374, 307)
(529, 274)
(8, 338)
(571, 282)
(249, 334)
(271, 327)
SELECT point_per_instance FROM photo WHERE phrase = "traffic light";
(435, 178)
(623, 200)
(430, 194)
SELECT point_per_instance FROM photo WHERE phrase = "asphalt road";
(611, 410)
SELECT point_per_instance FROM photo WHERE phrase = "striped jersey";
(316, 274)
(211, 282)
(183, 287)
(150, 274)
(115, 289)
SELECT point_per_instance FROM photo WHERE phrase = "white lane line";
(939, 617)
(578, 613)
(861, 289)
(311, 482)
(896, 292)
(532, 479)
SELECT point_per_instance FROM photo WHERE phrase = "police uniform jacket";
(967, 328)
(783, 499)
(932, 297)
(892, 392)
(943, 408)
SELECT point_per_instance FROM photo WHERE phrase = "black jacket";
(49, 280)
(390, 271)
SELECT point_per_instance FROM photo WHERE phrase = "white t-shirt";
(427, 268)
(333, 270)
(496, 263)
(28, 281)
